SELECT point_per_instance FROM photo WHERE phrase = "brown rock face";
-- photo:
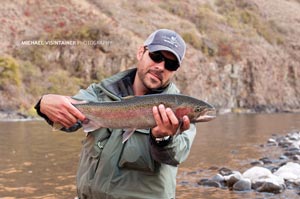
(242, 55)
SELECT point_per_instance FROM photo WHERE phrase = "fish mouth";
(207, 116)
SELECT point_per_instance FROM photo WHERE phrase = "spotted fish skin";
(136, 112)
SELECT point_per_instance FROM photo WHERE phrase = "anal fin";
(127, 134)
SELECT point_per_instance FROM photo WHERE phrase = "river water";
(36, 162)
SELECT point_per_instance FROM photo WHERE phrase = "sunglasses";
(157, 57)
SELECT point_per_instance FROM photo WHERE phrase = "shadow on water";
(39, 163)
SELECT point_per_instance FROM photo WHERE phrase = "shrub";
(9, 72)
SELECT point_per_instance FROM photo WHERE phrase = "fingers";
(67, 118)
(172, 117)
(73, 110)
(164, 116)
(185, 123)
(156, 116)
(59, 109)
(167, 122)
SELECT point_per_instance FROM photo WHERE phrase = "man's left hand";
(167, 122)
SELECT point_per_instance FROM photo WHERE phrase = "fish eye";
(198, 109)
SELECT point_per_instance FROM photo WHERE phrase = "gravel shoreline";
(266, 174)
(16, 116)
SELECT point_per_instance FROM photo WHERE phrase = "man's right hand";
(59, 109)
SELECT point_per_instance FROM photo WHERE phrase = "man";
(146, 165)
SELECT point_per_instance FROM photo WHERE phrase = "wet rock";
(296, 157)
(289, 185)
(270, 187)
(272, 168)
(290, 172)
(256, 163)
(256, 173)
(283, 157)
(263, 180)
(271, 184)
(289, 154)
(225, 171)
(294, 149)
(242, 185)
(285, 143)
(218, 178)
(294, 136)
(272, 142)
(257, 184)
(266, 160)
(266, 175)
(209, 183)
(233, 173)
(183, 183)
(192, 173)
(201, 181)
(233, 178)
(213, 168)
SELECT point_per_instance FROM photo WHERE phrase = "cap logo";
(171, 40)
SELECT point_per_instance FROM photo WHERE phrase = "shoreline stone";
(267, 175)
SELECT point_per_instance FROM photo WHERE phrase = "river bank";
(16, 116)
(237, 143)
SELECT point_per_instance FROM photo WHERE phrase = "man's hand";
(59, 109)
(167, 122)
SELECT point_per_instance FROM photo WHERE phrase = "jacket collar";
(120, 85)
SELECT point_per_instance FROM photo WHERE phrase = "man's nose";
(160, 65)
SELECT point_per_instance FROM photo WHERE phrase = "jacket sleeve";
(88, 94)
(38, 110)
(177, 150)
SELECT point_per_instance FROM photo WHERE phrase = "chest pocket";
(136, 153)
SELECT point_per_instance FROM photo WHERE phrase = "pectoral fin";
(90, 125)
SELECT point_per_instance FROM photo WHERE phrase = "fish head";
(198, 111)
(203, 114)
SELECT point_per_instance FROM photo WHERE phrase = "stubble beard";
(150, 82)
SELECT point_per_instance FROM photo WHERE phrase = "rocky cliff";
(242, 54)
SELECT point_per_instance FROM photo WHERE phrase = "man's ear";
(140, 53)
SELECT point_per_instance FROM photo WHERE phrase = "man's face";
(151, 74)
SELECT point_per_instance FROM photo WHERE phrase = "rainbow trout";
(136, 112)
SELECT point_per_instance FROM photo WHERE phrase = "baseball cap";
(168, 40)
